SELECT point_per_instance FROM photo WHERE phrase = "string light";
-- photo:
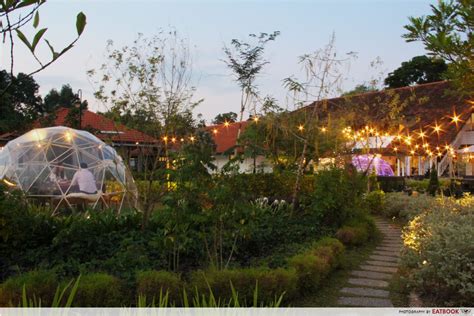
(301, 128)
(214, 130)
(437, 128)
(255, 119)
(192, 138)
(165, 138)
(455, 118)
(173, 140)
(323, 129)
(422, 134)
(226, 124)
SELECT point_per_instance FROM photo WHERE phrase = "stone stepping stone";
(383, 258)
(394, 254)
(389, 249)
(391, 243)
(382, 263)
(364, 291)
(364, 302)
(371, 275)
(368, 282)
(378, 269)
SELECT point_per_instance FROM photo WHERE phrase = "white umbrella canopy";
(43, 161)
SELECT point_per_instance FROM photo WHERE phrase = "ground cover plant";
(206, 227)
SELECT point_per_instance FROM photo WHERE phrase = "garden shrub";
(401, 205)
(329, 249)
(271, 283)
(150, 283)
(337, 195)
(316, 263)
(100, 290)
(375, 201)
(356, 232)
(439, 252)
(40, 284)
(311, 270)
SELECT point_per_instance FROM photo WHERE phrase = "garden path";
(368, 286)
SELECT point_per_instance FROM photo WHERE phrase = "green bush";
(314, 265)
(356, 232)
(375, 201)
(401, 205)
(100, 290)
(439, 252)
(337, 195)
(40, 284)
(153, 283)
(271, 283)
(329, 249)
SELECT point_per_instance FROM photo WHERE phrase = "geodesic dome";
(43, 162)
(372, 163)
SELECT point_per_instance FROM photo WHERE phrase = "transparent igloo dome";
(46, 164)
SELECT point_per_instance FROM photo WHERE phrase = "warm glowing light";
(323, 129)
(10, 184)
(226, 124)
(173, 140)
(455, 118)
(466, 149)
(255, 119)
(137, 143)
(192, 138)
(68, 136)
(399, 137)
(165, 138)
(412, 152)
(422, 134)
(214, 130)
(301, 128)
(395, 149)
(182, 139)
(437, 128)
(416, 146)
(439, 154)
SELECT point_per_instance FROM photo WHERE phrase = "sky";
(371, 28)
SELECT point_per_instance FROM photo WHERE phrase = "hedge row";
(305, 272)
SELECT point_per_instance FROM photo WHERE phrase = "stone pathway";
(368, 286)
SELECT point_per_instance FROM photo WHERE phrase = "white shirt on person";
(85, 180)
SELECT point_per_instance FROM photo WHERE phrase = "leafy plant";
(438, 252)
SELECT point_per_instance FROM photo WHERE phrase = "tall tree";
(221, 118)
(20, 104)
(246, 61)
(150, 79)
(448, 33)
(66, 97)
(418, 70)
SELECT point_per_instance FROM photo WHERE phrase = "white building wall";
(246, 166)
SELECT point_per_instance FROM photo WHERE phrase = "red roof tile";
(107, 129)
(225, 137)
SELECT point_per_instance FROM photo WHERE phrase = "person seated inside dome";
(83, 181)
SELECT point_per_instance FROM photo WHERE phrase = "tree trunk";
(299, 174)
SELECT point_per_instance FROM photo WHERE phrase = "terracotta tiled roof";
(224, 136)
(422, 106)
(107, 129)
